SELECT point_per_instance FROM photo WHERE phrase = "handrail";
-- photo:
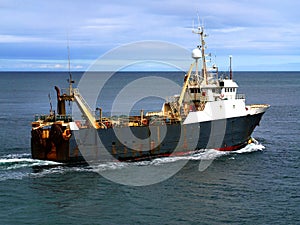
(240, 96)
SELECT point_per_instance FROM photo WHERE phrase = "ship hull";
(159, 141)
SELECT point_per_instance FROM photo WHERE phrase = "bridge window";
(230, 89)
(195, 90)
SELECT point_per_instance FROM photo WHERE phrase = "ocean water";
(259, 184)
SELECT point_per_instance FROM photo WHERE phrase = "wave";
(253, 147)
(205, 156)
(18, 166)
(16, 161)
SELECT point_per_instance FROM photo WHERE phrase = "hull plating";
(162, 140)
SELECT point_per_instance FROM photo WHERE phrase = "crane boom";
(85, 109)
(185, 86)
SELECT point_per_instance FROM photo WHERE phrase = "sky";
(261, 35)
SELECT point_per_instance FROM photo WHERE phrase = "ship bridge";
(228, 89)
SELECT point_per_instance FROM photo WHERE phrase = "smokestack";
(100, 114)
(61, 106)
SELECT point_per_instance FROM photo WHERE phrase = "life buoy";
(108, 124)
(66, 134)
(145, 122)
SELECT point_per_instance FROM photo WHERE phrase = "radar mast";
(200, 31)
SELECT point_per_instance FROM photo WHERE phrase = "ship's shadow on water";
(21, 166)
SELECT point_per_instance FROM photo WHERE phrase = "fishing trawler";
(207, 114)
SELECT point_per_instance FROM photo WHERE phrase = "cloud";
(43, 65)
(20, 39)
(229, 29)
(35, 29)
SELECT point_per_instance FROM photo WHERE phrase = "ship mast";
(230, 67)
(70, 80)
(200, 31)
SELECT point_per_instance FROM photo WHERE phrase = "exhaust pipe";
(61, 105)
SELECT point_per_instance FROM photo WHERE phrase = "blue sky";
(260, 34)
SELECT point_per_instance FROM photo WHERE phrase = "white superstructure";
(205, 95)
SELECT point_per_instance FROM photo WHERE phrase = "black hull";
(158, 140)
(224, 135)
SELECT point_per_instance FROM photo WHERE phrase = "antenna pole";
(201, 33)
(230, 66)
(68, 44)
(70, 74)
(51, 111)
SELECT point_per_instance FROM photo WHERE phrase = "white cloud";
(44, 65)
(19, 39)
(257, 27)
(229, 29)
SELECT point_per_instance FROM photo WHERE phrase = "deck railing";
(240, 96)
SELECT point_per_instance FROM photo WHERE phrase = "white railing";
(240, 96)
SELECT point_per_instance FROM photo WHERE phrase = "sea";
(259, 184)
